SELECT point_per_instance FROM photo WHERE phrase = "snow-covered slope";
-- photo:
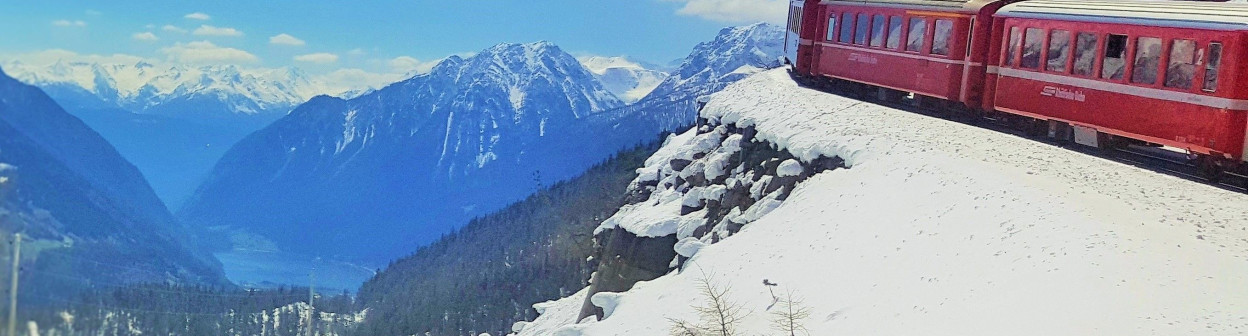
(938, 228)
(395, 168)
(628, 80)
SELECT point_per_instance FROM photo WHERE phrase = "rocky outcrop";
(704, 186)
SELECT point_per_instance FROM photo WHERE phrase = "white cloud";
(206, 30)
(408, 64)
(68, 23)
(93, 12)
(356, 52)
(348, 79)
(198, 16)
(51, 56)
(204, 52)
(285, 39)
(173, 29)
(318, 58)
(736, 11)
(145, 36)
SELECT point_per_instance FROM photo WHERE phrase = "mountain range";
(171, 121)
(377, 173)
(89, 214)
(376, 176)
(369, 176)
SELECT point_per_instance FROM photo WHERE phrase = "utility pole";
(17, 260)
(311, 296)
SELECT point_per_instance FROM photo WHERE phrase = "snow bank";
(789, 168)
(940, 228)
(554, 315)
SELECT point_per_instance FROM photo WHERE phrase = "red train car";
(1162, 72)
(935, 48)
(1100, 72)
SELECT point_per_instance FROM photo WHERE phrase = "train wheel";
(1209, 168)
(1038, 128)
(1108, 143)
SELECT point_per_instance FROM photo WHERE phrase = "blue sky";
(373, 36)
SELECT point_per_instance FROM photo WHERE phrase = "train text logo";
(863, 58)
(1063, 93)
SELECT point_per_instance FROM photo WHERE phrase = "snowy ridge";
(628, 80)
(461, 134)
(142, 85)
(735, 53)
(939, 228)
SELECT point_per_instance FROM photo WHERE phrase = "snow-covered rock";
(688, 246)
(554, 315)
(940, 228)
(606, 301)
(788, 168)
(519, 326)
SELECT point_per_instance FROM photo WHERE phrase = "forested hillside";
(488, 274)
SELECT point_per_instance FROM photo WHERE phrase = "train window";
(877, 31)
(864, 29)
(1211, 67)
(831, 27)
(1016, 38)
(1059, 50)
(1114, 62)
(847, 28)
(1182, 67)
(792, 18)
(894, 32)
(917, 35)
(940, 38)
(1085, 53)
(1147, 60)
(1032, 42)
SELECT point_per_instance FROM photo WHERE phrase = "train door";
(792, 36)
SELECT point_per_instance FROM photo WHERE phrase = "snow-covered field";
(939, 228)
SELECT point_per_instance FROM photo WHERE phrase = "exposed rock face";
(624, 259)
(718, 179)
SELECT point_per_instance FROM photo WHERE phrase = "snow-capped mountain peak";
(469, 128)
(142, 86)
(600, 64)
(625, 78)
(735, 53)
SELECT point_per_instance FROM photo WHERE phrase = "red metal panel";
(1200, 121)
(957, 76)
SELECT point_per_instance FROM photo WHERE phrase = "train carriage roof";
(1159, 13)
(963, 5)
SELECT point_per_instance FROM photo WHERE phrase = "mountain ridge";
(443, 135)
(78, 200)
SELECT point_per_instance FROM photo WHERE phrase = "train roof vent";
(1181, 14)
